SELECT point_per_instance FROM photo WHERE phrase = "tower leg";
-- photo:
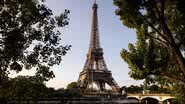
(160, 102)
(102, 86)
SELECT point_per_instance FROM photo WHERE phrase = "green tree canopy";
(28, 87)
(23, 87)
(29, 37)
(135, 89)
(72, 85)
(158, 54)
(72, 90)
(32, 88)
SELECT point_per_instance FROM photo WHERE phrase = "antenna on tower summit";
(94, 1)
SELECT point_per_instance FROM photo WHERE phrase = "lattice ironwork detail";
(95, 69)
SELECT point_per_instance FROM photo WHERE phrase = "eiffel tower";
(95, 70)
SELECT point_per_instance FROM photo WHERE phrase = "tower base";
(98, 77)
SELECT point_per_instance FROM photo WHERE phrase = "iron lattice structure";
(95, 69)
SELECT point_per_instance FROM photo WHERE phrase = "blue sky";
(113, 36)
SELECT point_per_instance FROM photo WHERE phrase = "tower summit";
(95, 70)
(94, 41)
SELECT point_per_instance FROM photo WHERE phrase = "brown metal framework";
(95, 69)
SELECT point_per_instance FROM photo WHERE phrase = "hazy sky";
(113, 36)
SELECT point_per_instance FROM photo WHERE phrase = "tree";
(24, 87)
(72, 85)
(158, 53)
(72, 90)
(29, 37)
(27, 87)
(179, 92)
(135, 89)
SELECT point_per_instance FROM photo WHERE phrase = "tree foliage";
(32, 88)
(134, 89)
(72, 85)
(28, 87)
(73, 90)
(158, 53)
(29, 37)
(23, 87)
(154, 89)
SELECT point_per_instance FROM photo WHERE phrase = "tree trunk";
(180, 60)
